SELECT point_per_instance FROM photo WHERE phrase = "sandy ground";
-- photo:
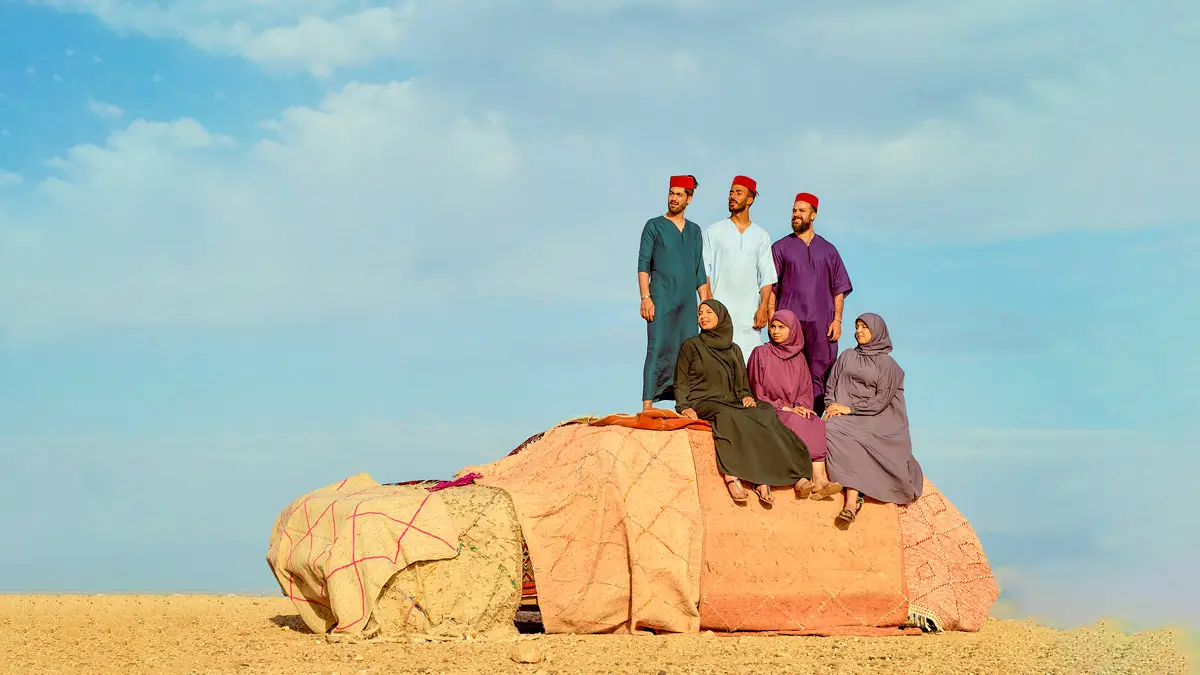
(243, 635)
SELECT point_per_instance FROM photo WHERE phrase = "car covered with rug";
(620, 524)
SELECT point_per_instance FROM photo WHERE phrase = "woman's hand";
(836, 409)
(690, 414)
(748, 402)
(802, 411)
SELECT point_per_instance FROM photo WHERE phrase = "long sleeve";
(706, 252)
(741, 382)
(646, 250)
(831, 383)
(753, 369)
(777, 258)
(701, 271)
(683, 383)
(756, 374)
(891, 378)
(804, 389)
(766, 263)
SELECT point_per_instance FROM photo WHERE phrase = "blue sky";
(247, 249)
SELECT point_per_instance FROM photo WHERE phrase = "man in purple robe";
(813, 284)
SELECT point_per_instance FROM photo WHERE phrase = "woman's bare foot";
(804, 488)
(735, 489)
(764, 494)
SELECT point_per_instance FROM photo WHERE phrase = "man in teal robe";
(670, 275)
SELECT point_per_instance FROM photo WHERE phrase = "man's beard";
(801, 227)
(675, 208)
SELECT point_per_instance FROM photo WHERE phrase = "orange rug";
(788, 567)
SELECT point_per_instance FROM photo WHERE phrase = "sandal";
(804, 488)
(764, 494)
(730, 482)
(847, 516)
(829, 490)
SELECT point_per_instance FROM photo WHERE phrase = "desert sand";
(244, 635)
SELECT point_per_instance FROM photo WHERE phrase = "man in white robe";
(740, 267)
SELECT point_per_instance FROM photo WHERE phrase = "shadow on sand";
(291, 622)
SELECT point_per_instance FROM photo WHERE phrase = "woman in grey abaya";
(752, 444)
(869, 449)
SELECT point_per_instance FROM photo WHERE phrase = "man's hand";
(648, 309)
(690, 414)
(836, 409)
(760, 317)
(835, 330)
(748, 402)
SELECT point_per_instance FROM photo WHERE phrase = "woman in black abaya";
(752, 444)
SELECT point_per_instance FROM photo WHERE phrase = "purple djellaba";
(812, 284)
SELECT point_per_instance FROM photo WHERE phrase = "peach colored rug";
(949, 578)
(788, 567)
(612, 523)
(785, 570)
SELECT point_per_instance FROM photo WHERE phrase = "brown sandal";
(764, 494)
(829, 490)
(847, 516)
(730, 481)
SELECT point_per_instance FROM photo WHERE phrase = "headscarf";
(794, 344)
(719, 340)
(880, 343)
(776, 376)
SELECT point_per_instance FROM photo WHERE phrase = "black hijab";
(719, 341)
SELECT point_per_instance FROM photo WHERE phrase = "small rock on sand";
(526, 651)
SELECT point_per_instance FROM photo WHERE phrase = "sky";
(248, 249)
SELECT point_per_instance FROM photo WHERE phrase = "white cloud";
(106, 111)
(319, 36)
(156, 78)
(56, 77)
(356, 205)
(9, 179)
(69, 53)
(550, 138)
(30, 70)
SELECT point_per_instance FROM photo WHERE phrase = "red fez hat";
(746, 182)
(685, 182)
(806, 197)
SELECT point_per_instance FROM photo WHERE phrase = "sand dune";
(245, 635)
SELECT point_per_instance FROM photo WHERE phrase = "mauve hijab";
(794, 344)
(880, 343)
(776, 375)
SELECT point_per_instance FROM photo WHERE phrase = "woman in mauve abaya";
(752, 444)
(869, 449)
(779, 375)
